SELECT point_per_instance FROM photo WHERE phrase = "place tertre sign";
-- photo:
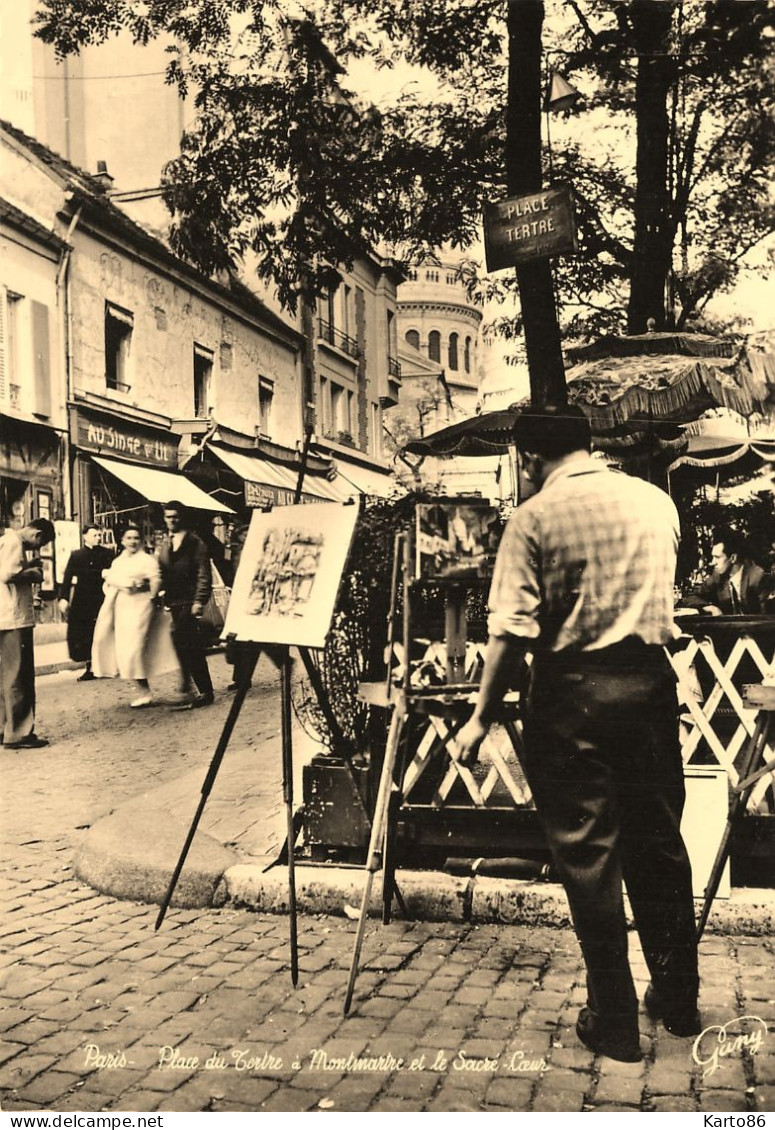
(523, 228)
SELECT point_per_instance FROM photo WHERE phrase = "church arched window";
(434, 345)
(453, 362)
(412, 338)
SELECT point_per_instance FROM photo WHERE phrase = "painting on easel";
(289, 574)
(457, 540)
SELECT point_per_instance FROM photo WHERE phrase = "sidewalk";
(51, 650)
(132, 852)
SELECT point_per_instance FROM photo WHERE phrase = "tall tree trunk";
(523, 175)
(654, 232)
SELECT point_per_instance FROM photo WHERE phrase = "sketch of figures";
(285, 574)
(289, 574)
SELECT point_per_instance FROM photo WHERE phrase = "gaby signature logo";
(719, 1041)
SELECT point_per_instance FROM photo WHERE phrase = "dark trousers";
(17, 684)
(190, 649)
(80, 637)
(604, 763)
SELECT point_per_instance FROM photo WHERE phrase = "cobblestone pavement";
(99, 1012)
(104, 753)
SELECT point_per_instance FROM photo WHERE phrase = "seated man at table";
(736, 587)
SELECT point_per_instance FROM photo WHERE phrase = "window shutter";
(41, 347)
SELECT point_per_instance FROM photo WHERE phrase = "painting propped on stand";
(289, 574)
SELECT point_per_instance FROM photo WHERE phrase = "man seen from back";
(584, 580)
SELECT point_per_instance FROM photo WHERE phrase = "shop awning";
(280, 480)
(353, 479)
(161, 486)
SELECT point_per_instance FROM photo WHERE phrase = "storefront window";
(13, 503)
(113, 505)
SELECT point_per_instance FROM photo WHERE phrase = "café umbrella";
(637, 391)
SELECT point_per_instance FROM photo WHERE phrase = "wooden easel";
(753, 768)
(448, 706)
(280, 654)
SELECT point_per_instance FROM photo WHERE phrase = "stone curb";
(435, 896)
(55, 668)
(131, 854)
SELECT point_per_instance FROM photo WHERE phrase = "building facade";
(442, 358)
(438, 322)
(353, 344)
(83, 107)
(117, 357)
(110, 107)
(149, 366)
(33, 409)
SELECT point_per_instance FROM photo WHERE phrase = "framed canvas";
(289, 574)
(456, 540)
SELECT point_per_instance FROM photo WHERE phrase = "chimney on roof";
(103, 176)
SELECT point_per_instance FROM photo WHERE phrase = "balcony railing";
(335, 337)
(394, 367)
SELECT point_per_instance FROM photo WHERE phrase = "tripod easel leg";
(757, 745)
(285, 706)
(389, 885)
(212, 773)
(375, 843)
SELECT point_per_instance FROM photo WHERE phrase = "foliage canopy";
(285, 164)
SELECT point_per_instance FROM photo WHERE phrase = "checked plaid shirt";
(587, 562)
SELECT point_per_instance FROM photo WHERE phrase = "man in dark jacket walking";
(186, 584)
(81, 595)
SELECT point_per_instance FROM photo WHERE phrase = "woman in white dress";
(129, 638)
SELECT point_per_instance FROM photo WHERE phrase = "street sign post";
(522, 229)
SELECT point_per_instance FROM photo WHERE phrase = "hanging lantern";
(560, 95)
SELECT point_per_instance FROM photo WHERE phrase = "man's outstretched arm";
(502, 660)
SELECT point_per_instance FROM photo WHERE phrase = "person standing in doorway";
(584, 580)
(186, 587)
(17, 619)
(81, 595)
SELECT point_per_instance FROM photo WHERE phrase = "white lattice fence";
(701, 716)
(704, 719)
